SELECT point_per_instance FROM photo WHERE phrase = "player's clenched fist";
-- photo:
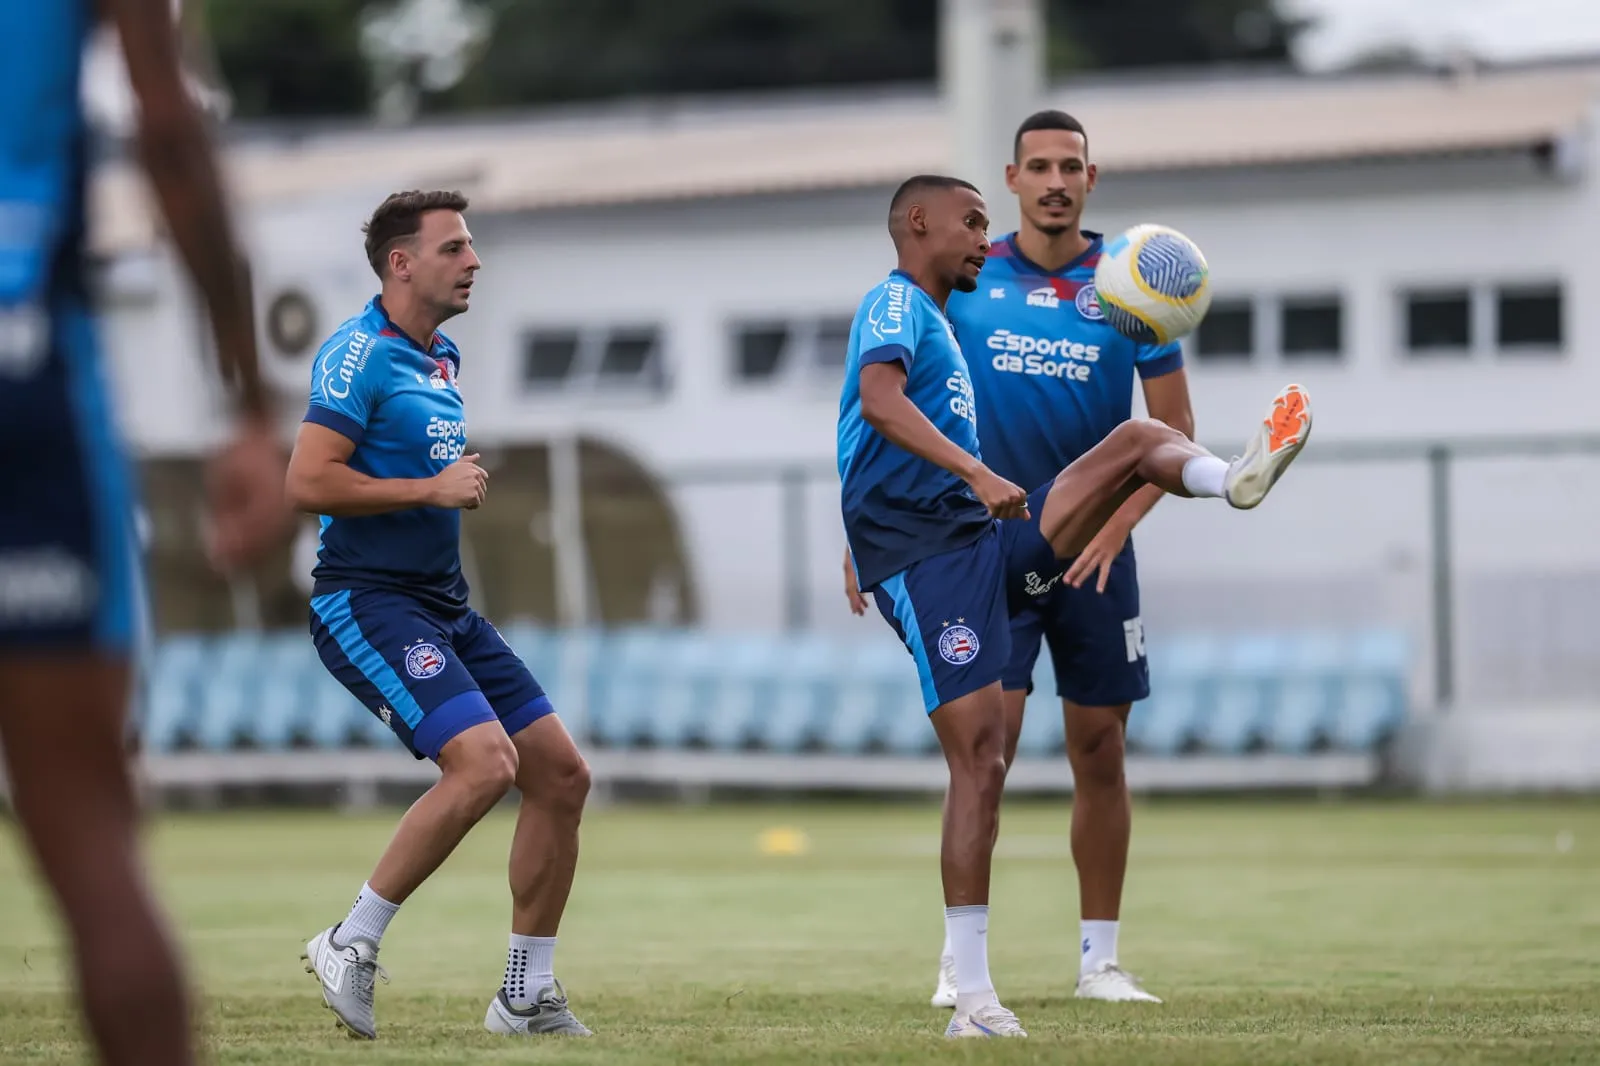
(1001, 497)
(462, 484)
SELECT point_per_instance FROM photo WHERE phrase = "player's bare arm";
(887, 409)
(1166, 398)
(183, 172)
(321, 481)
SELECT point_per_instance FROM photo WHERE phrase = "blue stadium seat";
(624, 676)
(875, 673)
(228, 690)
(742, 693)
(171, 706)
(1305, 700)
(684, 689)
(1182, 671)
(283, 682)
(1372, 703)
(807, 691)
(1245, 688)
(1043, 729)
(333, 714)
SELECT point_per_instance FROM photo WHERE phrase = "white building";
(673, 281)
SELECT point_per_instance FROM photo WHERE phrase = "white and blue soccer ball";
(1152, 284)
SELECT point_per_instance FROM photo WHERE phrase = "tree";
(290, 57)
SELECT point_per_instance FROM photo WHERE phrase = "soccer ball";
(1153, 284)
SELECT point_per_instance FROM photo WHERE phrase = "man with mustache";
(382, 457)
(1053, 379)
(944, 545)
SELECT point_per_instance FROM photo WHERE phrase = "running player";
(920, 509)
(1055, 379)
(67, 554)
(382, 457)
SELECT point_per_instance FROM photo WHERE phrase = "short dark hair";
(399, 218)
(920, 182)
(1048, 120)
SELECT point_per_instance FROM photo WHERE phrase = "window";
(549, 356)
(1311, 327)
(1439, 321)
(759, 349)
(562, 358)
(1227, 333)
(833, 343)
(628, 353)
(1529, 317)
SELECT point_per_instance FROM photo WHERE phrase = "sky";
(1495, 30)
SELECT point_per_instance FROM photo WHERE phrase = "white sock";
(1204, 475)
(368, 918)
(945, 954)
(530, 968)
(1099, 945)
(968, 929)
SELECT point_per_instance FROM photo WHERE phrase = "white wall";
(1337, 543)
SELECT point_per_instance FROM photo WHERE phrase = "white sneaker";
(1112, 984)
(944, 993)
(1268, 454)
(548, 1013)
(346, 973)
(991, 1019)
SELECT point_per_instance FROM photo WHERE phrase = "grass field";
(1288, 932)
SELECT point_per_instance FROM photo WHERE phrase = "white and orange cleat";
(1268, 454)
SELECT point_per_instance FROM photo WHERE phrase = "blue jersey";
(898, 508)
(402, 407)
(42, 153)
(1052, 376)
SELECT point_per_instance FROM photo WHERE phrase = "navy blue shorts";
(1096, 639)
(68, 558)
(950, 610)
(428, 675)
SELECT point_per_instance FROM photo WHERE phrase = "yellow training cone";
(783, 841)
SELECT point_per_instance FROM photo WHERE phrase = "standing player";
(919, 511)
(67, 553)
(381, 456)
(1054, 379)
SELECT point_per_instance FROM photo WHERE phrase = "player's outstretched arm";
(322, 482)
(886, 408)
(183, 171)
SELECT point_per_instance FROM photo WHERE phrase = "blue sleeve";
(888, 331)
(344, 385)
(1158, 360)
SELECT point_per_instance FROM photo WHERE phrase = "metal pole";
(1444, 686)
(796, 553)
(566, 525)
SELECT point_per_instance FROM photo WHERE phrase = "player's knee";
(568, 788)
(481, 768)
(1097, 755)
(1142, 434)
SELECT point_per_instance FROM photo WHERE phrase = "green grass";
(1277, 932)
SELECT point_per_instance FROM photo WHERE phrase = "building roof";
(551, 160)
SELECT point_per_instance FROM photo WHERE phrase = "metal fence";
(1485, 550)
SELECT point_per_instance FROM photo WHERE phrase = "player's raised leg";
(1086, 494)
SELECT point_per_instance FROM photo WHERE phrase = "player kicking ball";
(920, 513)
(382, 456)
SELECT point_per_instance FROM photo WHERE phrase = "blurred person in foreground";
(382, 458)
(68, 557)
